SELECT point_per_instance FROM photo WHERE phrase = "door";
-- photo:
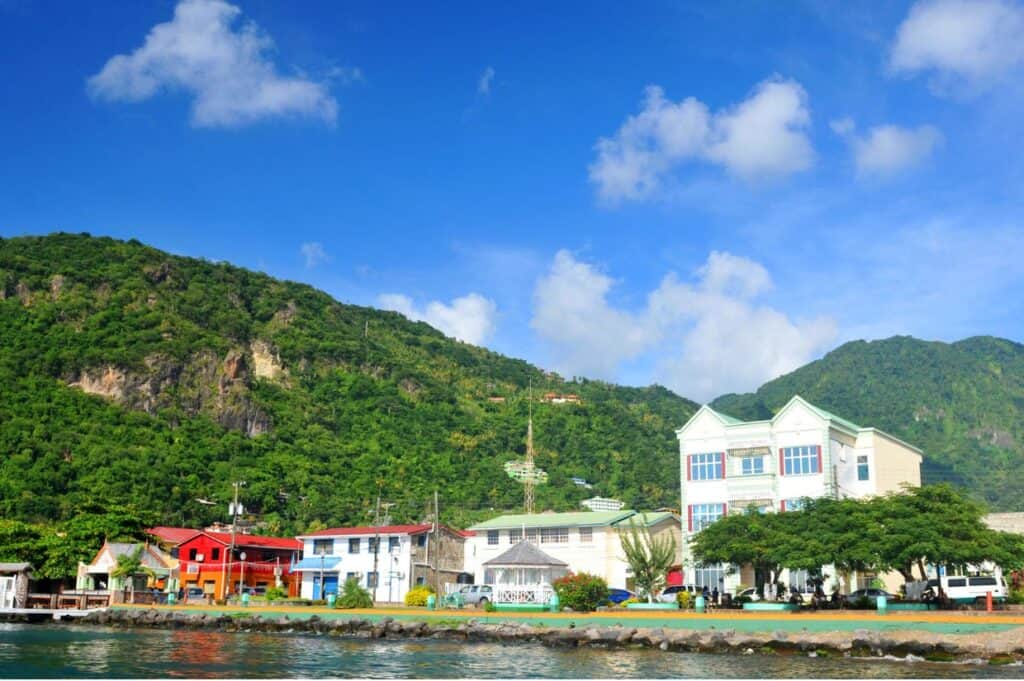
(6, 592)
(330, 586)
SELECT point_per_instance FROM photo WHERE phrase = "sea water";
(70, 651)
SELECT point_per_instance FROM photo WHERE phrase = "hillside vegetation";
(962, 403)
(132, 376)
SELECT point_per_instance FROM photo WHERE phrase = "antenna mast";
(525, 471)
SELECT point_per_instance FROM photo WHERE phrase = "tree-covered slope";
(962, 403)
(138, 377)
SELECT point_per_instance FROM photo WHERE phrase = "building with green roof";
(588, 541)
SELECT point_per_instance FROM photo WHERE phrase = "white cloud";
(705, 338)
(314, 254)
(470, 318)
(965, 43)
(888, 149)
(483, 86)
(226, 68)
(762, 137)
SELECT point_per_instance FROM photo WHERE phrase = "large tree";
(750, 538)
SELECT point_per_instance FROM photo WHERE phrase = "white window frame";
(703, 515)
(800, 460)
(586, 535)
(707, 466)
(752, 465)
(493, 537)
(863, 468)
(554, 535)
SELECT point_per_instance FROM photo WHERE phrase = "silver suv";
(477, 594)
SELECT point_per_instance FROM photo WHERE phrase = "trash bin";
(171, 597)
(245, 599)
(330, 599)
(726, 600)
(554, 603)
(698, 604)
(431, 602)
(881, 604)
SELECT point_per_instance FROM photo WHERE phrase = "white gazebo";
(523, 574)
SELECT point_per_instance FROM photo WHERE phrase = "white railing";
(534, 593)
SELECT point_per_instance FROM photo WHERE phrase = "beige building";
(587, 541)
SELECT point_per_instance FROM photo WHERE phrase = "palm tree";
(129, 565)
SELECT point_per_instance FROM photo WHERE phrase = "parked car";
(749, 593)
(963, 590)
(619, 595)
(195, 594)
(870, 594)
(671, 593)
(477, 594)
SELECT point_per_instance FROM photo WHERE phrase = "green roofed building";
(587, 541)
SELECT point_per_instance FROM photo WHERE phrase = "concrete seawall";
(996, 643)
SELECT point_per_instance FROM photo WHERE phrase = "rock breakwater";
(997, 647)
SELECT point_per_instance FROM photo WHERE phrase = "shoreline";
(948, 638)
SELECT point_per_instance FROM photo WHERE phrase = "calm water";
(71, 651)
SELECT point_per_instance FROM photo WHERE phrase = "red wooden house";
(207, 561)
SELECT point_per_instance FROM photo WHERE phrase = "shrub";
(418, 596)
(629, 601)
(275, 594)
(683, 599)
(583, 592)
(353, 596)
(1016, 596)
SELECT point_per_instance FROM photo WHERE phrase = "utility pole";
(437, 552)
(376, 547)
(234, 510)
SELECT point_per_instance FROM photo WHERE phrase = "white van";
(960, 589)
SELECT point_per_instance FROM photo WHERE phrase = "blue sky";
(699, 195)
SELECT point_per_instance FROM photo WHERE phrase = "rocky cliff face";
(205, 384)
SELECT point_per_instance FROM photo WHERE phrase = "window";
(515, 536)
(371, 545)
(531, 535)
(421, 580)
(982, 581)
(421, 540)
(800, 581)
(554, 535)
(801, 460)
(192, 554)
(492, 537)
(706, 466)
(793, 504)
(393, 544)
(752, 465)
(862, 467)
(215, 554)
(371, 580)
(323, 547)
(711, 576)
(351, 575)
(959, 581)
(586, 535)
(702, 515)
(353, 546)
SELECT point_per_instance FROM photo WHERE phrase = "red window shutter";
(782, 505)
(689, 517)
(725, 509)
(723, 464)
(689, 464)
(782, 463)
(820, 469)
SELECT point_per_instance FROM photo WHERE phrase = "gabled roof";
(256, 541)
(725, 419)
(151, 557)
(651, 518)
(173, 535)
(369, 530)
(827, 415)
(525, 554)
(539, 520)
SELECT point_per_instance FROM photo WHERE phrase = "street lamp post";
(323, 589)
(241, 580)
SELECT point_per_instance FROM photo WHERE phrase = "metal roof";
(539, 520)
(525, 554)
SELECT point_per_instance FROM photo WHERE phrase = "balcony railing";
(751, 487)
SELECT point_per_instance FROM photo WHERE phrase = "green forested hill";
(962, 403)
(132, 376)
